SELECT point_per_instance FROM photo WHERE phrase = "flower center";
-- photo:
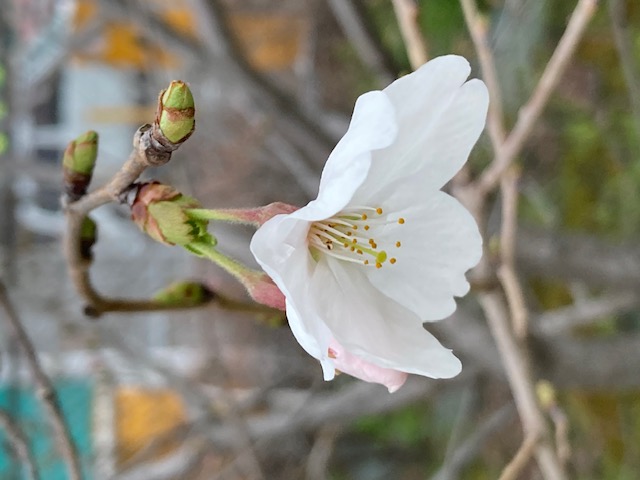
(349, 236)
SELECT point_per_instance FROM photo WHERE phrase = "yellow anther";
(364, 216)
(366, 227)
(371, 242)
(355, 227)
(392, 261)
(366, 262)
(349, 234)
(401, 220)
(398, 244)
(354, 241)
(353, 249)
(359, 252)
(379, 211)
(378, 265)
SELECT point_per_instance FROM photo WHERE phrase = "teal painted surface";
(22, 404)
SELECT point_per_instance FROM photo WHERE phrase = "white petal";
(374, 327)
(373, 126)
(435, 137)
(280, 247)
(440, 242)
(355, 366)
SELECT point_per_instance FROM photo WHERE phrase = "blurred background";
(213, 394)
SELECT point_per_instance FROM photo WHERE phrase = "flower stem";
(247, 216)
(243, 216)
(241, 272)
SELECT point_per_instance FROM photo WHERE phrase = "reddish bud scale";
(147, 194)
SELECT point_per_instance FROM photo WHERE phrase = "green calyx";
(175, 225)
(184, 294)
(81, 154)
(163, 213)
(176, 112)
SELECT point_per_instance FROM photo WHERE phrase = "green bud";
(162, 212)
(88, 237)
(187, 294)
(4, 143)
(80, 155)
(176, 112)
(78, 162)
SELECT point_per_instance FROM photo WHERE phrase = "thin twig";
(146, 152)
(624, 46)
(521, 381)
(532, 110)
(507, 271)
(320, 454)
(522, 457)
(583, 312)
(407, 15)
(353, 26)
(20, 444)
(44, 390)
(467, 451)
(478, 29)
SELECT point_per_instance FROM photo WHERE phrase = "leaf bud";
(88, 237)
(176, 112)
(185, 294)
(78, 162)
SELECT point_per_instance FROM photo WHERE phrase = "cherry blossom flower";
(382, 249)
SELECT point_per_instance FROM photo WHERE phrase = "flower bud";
(176, 112)
(185, 294)
(78, 162)
(88, 237)
(161, 212)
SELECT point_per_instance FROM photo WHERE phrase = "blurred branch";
(304, 128)
(176, 465)
(20, 444)
(478, 29)
(624, 45)
(407, 15)
(208, 412)
(584, 312)
(507, 271)
(532, 110)
(467, 451)
(349, 17)
(521, 381)
(320, 454)
(586, 258)
(44, 390)
(523, 455)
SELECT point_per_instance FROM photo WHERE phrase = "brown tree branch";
(522, 384)
(348, 16)
(532, 110)
(44, 390)
(20, 444)
(584, 312)
(522, 457)
(478, 29)
(624, 46)
(407, 16)
(507, 270)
